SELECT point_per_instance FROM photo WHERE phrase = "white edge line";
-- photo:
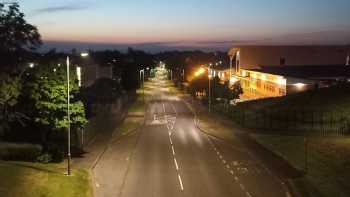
(172, 147)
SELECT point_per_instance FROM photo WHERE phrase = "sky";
(191, 22)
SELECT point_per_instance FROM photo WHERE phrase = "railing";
(290, 121)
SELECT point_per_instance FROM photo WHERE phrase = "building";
(272, 71)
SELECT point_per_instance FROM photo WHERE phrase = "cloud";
(56, 9)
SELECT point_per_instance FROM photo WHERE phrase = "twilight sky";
(186, 22)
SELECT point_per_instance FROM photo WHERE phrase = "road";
(170, 157)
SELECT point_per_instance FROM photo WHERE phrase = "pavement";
(170, 157)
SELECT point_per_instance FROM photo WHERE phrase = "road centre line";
(177, 167)
(180, 180)
(163, 108)
(242, 186)
(248, 194)
(172, 147)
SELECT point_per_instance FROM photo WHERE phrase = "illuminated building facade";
(273, 71)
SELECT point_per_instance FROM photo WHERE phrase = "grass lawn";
(329, 163)
(25, 179)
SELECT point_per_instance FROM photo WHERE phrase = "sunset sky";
(189, 21)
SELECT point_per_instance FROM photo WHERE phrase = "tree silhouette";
(16, 36)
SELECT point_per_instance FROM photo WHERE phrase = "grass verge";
(328, 163)
(42, 180)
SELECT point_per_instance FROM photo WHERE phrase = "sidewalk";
(108, 131)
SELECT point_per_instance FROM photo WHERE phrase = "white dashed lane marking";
(176, 166)
(180, 180)
(172, 147)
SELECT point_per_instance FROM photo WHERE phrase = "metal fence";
(290, 121)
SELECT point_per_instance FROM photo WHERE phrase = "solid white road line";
(180, 180)
(177, 167)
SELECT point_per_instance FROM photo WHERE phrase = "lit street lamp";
(142, 76)
(209, 76)
(68, 114)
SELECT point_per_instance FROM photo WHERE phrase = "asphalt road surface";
(170, 157)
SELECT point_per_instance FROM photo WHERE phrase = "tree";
(16, 36)
(44, 99)
(9, 92)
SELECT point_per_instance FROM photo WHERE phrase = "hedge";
(20, 152)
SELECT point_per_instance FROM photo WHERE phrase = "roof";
(309, 72)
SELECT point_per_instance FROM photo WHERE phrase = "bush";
(45, 158)
(56, 152)
(20, 152)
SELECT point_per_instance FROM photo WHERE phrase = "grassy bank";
(320, 112)
(20, 179)
(328, 163)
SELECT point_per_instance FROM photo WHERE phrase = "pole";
(306, 143)
(143, 85)
(183, 74)
(231, 59)
(68, 117)
(209, 91)
(142, 78)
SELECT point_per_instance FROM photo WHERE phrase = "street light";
(68, 114)
(209, 76)
(142, 74)
(202, 71)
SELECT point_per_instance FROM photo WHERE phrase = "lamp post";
(231, 59)
(68, 118)
(142, 74)
(209, 76)
(183, 75)
(68, 113)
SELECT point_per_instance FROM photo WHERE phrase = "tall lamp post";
(142, 76)
(68, 113)
(209, 79)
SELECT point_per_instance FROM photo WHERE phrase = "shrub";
(44, 158)
(19, 152)
(56, 152)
